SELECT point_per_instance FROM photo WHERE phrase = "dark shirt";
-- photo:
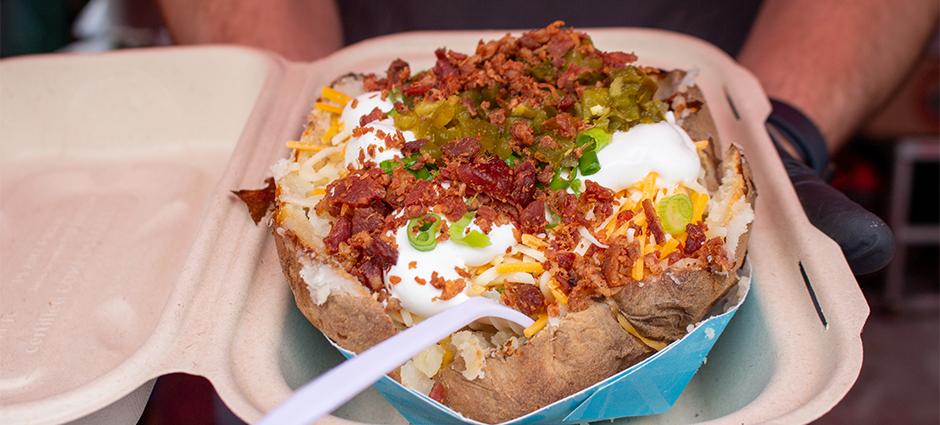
(724, 23)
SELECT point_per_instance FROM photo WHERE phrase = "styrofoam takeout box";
(125, 258)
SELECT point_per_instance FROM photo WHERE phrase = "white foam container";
(125, 258)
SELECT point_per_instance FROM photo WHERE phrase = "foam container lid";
(124, 257)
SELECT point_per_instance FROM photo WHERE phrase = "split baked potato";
(560, 180)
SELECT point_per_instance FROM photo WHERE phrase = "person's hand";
(866, 241)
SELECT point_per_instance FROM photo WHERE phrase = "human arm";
(297, 29)
(836, 61)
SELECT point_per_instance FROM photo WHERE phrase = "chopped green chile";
(627, 101)
(675, 212)
(473, 238)
(423, 231)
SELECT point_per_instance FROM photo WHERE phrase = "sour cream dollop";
(663, 147)
(369, 146)
(443, 259)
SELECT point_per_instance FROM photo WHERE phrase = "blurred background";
(891, 166)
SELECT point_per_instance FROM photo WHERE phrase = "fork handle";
(332, 389)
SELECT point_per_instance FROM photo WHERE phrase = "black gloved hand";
(866, 241)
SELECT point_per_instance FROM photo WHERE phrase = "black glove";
(866, 241)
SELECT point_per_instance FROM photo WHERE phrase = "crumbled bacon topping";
(500, 170)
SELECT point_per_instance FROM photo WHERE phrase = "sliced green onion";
(511, 160)
(473, 239)
(589, 164)
(392, 113)
(423, 231)
(553, 220)
(394, 95)
(675, 212)
(597, 138)
(389, 165)
(558, 183)
(422, 174)
(576, 186)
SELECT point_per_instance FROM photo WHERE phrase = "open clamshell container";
(124, 257)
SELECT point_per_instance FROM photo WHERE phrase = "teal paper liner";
(647, 388)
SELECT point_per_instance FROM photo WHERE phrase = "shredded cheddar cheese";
(326, 107)
(534, 328)
(533, 242)
(669, 248)
(699, 201)
(448, 353)
(637, 272)
(334, 95)
(519, 267)
(317, 191)
(476, 290)
(627, 326)
(330, 132)
(701, 144)
(293, 144)
(557, 293)
(649, 185)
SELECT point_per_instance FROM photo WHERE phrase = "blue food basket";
(647, 388)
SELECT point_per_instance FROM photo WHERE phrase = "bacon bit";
(412, 265)
(375, 115)
(497, 117)
(398, 71)
(492, 177)
(523, 184)
(532, 218)
(526, 298)
(420, 281)
(339, 233)
(394, 279)
(437, 392)
(461, 149)
(412, 147)
(258, 201)
(437, 281)
(452, 288)
(462, 272)
(522, 133)
(366, 220)
(355, 190)
(618, 59)
(695, 238)
(652, 220)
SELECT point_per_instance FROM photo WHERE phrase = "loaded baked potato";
(560, 180)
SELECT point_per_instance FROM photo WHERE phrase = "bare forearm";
(296, 29)
(836, 60)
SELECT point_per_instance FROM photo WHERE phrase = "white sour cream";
(365, 103)
(443, 259)
(369, 146)
(663, 147)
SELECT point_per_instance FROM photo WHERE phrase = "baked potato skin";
(354, 321)
(586, 347)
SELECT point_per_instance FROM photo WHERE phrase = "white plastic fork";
(332, 389)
